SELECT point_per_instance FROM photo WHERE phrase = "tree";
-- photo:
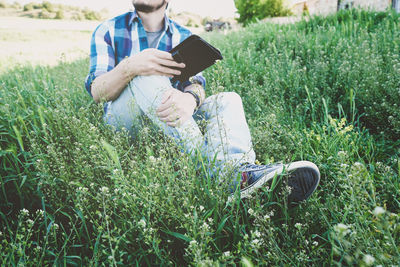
(252, 10)
(29, 7)
(48, 6)
(60, 14)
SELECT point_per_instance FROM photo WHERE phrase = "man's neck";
(154, 21)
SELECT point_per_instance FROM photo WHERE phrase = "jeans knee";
(230, 98)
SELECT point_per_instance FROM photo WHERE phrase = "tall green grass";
(74, 192)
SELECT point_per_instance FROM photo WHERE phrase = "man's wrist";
(127, 72)
(198, 90)
(196, 97)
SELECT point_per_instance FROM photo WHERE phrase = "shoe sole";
(304, 178)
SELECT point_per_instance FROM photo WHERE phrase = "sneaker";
(303, 178)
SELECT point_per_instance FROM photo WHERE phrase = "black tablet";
(197, 55)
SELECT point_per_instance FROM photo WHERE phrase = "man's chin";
(146, 8)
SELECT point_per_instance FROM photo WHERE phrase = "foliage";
(3, 4)
(252, 10)
(60, 14)
(48, 6)
(91, 15)
(74, 192)
(29, 7)
(44, 14)
(48, 10)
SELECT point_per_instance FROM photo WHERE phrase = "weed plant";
(74, 192)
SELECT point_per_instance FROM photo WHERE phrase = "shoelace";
(245, 169)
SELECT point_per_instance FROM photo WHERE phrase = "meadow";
(74, 192)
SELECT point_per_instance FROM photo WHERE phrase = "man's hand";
(176, 107)
(154, 62)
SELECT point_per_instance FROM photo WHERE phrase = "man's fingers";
(164, 113)
(167, 70)
(173, 117)
(170, 63)
(177, 123)
(163, 54)
(166, 96)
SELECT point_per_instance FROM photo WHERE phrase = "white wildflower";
(342, 229)
(104, 190)
(255, 242)
(251, 212)
(227, 253)
(378, 211)
(24, 211)
(40, 212)
(257, 234)
(192, 243)
(142, 223)
(368, 259)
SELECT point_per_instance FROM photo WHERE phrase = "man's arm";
(109, 85)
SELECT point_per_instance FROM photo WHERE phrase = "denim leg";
(148, 92)
(227, 135)
(124, 112)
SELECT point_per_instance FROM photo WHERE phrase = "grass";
(73, 192)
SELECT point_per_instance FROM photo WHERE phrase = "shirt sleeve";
(198, 78)
(102, 57)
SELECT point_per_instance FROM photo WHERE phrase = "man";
(130, 69)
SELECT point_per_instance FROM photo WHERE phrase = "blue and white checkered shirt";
(123, 36)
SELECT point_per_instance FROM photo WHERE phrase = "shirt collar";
(167, 22)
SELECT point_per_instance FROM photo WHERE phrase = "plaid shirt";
(123, 36)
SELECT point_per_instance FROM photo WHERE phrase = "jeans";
(225, 142)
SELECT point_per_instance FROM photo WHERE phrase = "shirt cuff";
(89, 80)
(195, 79)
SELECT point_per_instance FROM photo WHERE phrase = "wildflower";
(378, 211)
(227, 253)
(192, 243)
(251, 212)
(315, 243)
(40, 212)
(152, 159)
(24, 211)
(368, 259)
(104, 190)
(342, 229)
(201, 208)
(255, 242)
(298, 225)
(205, 227)
(257, 234)
(142, 223)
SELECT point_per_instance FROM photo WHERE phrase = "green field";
(73, 192)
